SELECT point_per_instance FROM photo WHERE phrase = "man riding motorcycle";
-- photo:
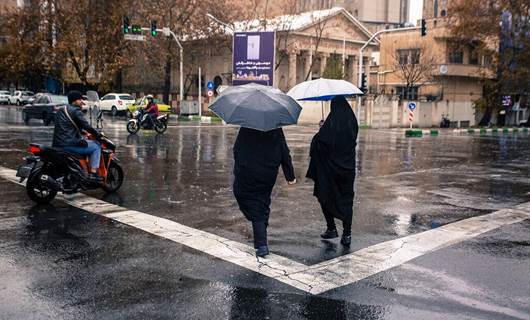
(152, 111)
(69, 121)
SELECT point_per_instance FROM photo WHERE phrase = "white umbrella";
(323, 90)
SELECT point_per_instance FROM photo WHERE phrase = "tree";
(333, 69)
(415, 67)
(500, 31)
(62, 38)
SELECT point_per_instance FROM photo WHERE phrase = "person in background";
(152, 110)
(258, 155)
(332, 168)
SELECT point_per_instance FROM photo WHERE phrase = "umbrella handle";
(322, 108)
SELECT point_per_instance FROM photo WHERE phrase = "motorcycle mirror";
(92, 96)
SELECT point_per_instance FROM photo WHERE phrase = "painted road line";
(314, 279)
(366, 262)
(274, 266)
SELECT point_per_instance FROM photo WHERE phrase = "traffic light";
(126, 23)
(136, 29)
(363, 82)
(153, 28)
(423, 27)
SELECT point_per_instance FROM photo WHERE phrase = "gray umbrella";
(257, 107)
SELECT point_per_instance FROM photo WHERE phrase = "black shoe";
(330, 234)
(262, 251)
(345, 240)
(93, 177)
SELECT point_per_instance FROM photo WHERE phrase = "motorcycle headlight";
(136, 113)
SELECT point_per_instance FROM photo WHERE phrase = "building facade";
(443, 75)
(374, 14)
(304, 47)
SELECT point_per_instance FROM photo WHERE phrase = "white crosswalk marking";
(313, 279)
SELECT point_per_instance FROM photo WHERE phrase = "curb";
(481, 131)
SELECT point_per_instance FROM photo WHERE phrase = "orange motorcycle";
(50, 170)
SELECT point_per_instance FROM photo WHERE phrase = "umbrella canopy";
(257, 107)
(323, 90)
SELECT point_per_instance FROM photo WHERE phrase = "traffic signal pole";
(167, 32)
(361, 62)
(153, 31)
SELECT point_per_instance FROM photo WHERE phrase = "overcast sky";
(416, 7)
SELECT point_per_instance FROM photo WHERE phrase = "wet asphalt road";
(60, 262)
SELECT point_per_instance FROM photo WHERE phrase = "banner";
(253, 58)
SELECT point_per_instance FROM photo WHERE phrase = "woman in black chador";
(332, 167)
(257, 156)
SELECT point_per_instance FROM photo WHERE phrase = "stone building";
(453, 82)
(374, 14)
(301, 51)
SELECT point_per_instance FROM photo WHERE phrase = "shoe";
(345, 240)
(93, 177)
(262, 251)
(330, 234)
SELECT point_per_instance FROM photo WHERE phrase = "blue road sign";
(412, 106)
(210, 85)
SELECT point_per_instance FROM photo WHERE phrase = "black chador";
(332, 167)
(258, 155)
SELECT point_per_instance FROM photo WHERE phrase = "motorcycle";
(139, 121)
(51, 170)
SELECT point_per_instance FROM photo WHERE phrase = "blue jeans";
(93, 149)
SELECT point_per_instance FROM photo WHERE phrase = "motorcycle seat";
(62, 151)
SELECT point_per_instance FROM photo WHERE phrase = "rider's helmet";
(149, 97)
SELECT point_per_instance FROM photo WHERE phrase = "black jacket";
(65, 133)
(258, 155)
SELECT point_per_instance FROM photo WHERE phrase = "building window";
(474, 57)
(487, 60)
(410, 94)
(456, 56)
(408, 56)
(435, 8)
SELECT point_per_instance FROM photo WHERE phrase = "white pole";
(343, 54)
(181, 75)
(200, 94)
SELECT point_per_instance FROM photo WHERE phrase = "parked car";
(4, 97)
(44, 108)
(116, 102)
(36, 96)
(20, 97)
(141, 103)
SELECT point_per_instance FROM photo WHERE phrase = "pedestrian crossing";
(313, 279)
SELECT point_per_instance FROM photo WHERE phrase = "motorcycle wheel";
(37, 191)
(132, 127)
(114, 178)
(160, 127)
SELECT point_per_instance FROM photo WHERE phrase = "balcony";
(463, 70)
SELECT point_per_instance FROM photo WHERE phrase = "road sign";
(412, 106)
(210, 93)
(210, 85)
(136, 37)
(506, 101)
